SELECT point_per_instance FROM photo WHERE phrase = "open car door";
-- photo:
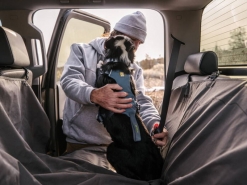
(72, 26)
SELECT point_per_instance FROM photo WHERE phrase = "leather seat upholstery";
(14, 57)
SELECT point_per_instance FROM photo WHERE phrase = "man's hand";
(161, 139)
(109, 99)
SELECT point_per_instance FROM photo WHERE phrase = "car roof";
(153, 4)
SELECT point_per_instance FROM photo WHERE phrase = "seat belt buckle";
(156, 129)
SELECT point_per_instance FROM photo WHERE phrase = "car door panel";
(73, 26)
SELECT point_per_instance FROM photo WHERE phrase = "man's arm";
(73, 77)
(114, 101)
(75, 87)
(148, 112)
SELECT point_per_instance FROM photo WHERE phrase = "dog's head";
(120, 49)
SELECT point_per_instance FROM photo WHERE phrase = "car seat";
(18, 103)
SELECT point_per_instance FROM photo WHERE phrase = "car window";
(223, 30)
(45, 20)
(77, 31)
(150, 55)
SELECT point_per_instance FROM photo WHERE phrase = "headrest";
(13, 52)
(204, 63)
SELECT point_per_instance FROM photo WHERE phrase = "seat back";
(207, 126)
(18, 102)
(198, 66)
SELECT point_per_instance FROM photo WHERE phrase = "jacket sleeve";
(73, 77)
(148, 112)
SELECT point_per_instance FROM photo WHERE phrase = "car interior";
(204, 100)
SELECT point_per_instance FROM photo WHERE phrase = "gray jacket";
(78, 79)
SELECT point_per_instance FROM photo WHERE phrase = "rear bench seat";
(199, 67)
(207, 123)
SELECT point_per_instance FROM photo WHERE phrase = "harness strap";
(123, 80)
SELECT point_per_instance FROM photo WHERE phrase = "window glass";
(39, 52)
(77, 31)
(223, 30)
(45, 20)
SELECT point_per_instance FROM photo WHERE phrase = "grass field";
(156, 95)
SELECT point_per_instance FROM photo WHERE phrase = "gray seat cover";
(23, 111)
(19, 104)
(208, 133)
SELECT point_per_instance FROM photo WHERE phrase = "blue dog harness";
(123, 80)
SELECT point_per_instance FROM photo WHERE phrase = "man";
(87, 137)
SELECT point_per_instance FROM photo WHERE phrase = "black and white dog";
(132, 152)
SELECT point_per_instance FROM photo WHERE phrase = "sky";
(154, 43)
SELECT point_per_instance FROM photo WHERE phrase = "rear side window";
(223, 30)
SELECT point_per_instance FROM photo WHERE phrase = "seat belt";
(169, 81)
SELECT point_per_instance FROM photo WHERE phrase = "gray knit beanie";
(133, 25)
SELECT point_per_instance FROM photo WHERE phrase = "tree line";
(236, 54)
(149, 62)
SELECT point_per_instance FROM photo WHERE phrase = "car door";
(72, 26)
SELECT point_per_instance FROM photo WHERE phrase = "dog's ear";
(130, 48)
(109, 43)
(131, 55)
